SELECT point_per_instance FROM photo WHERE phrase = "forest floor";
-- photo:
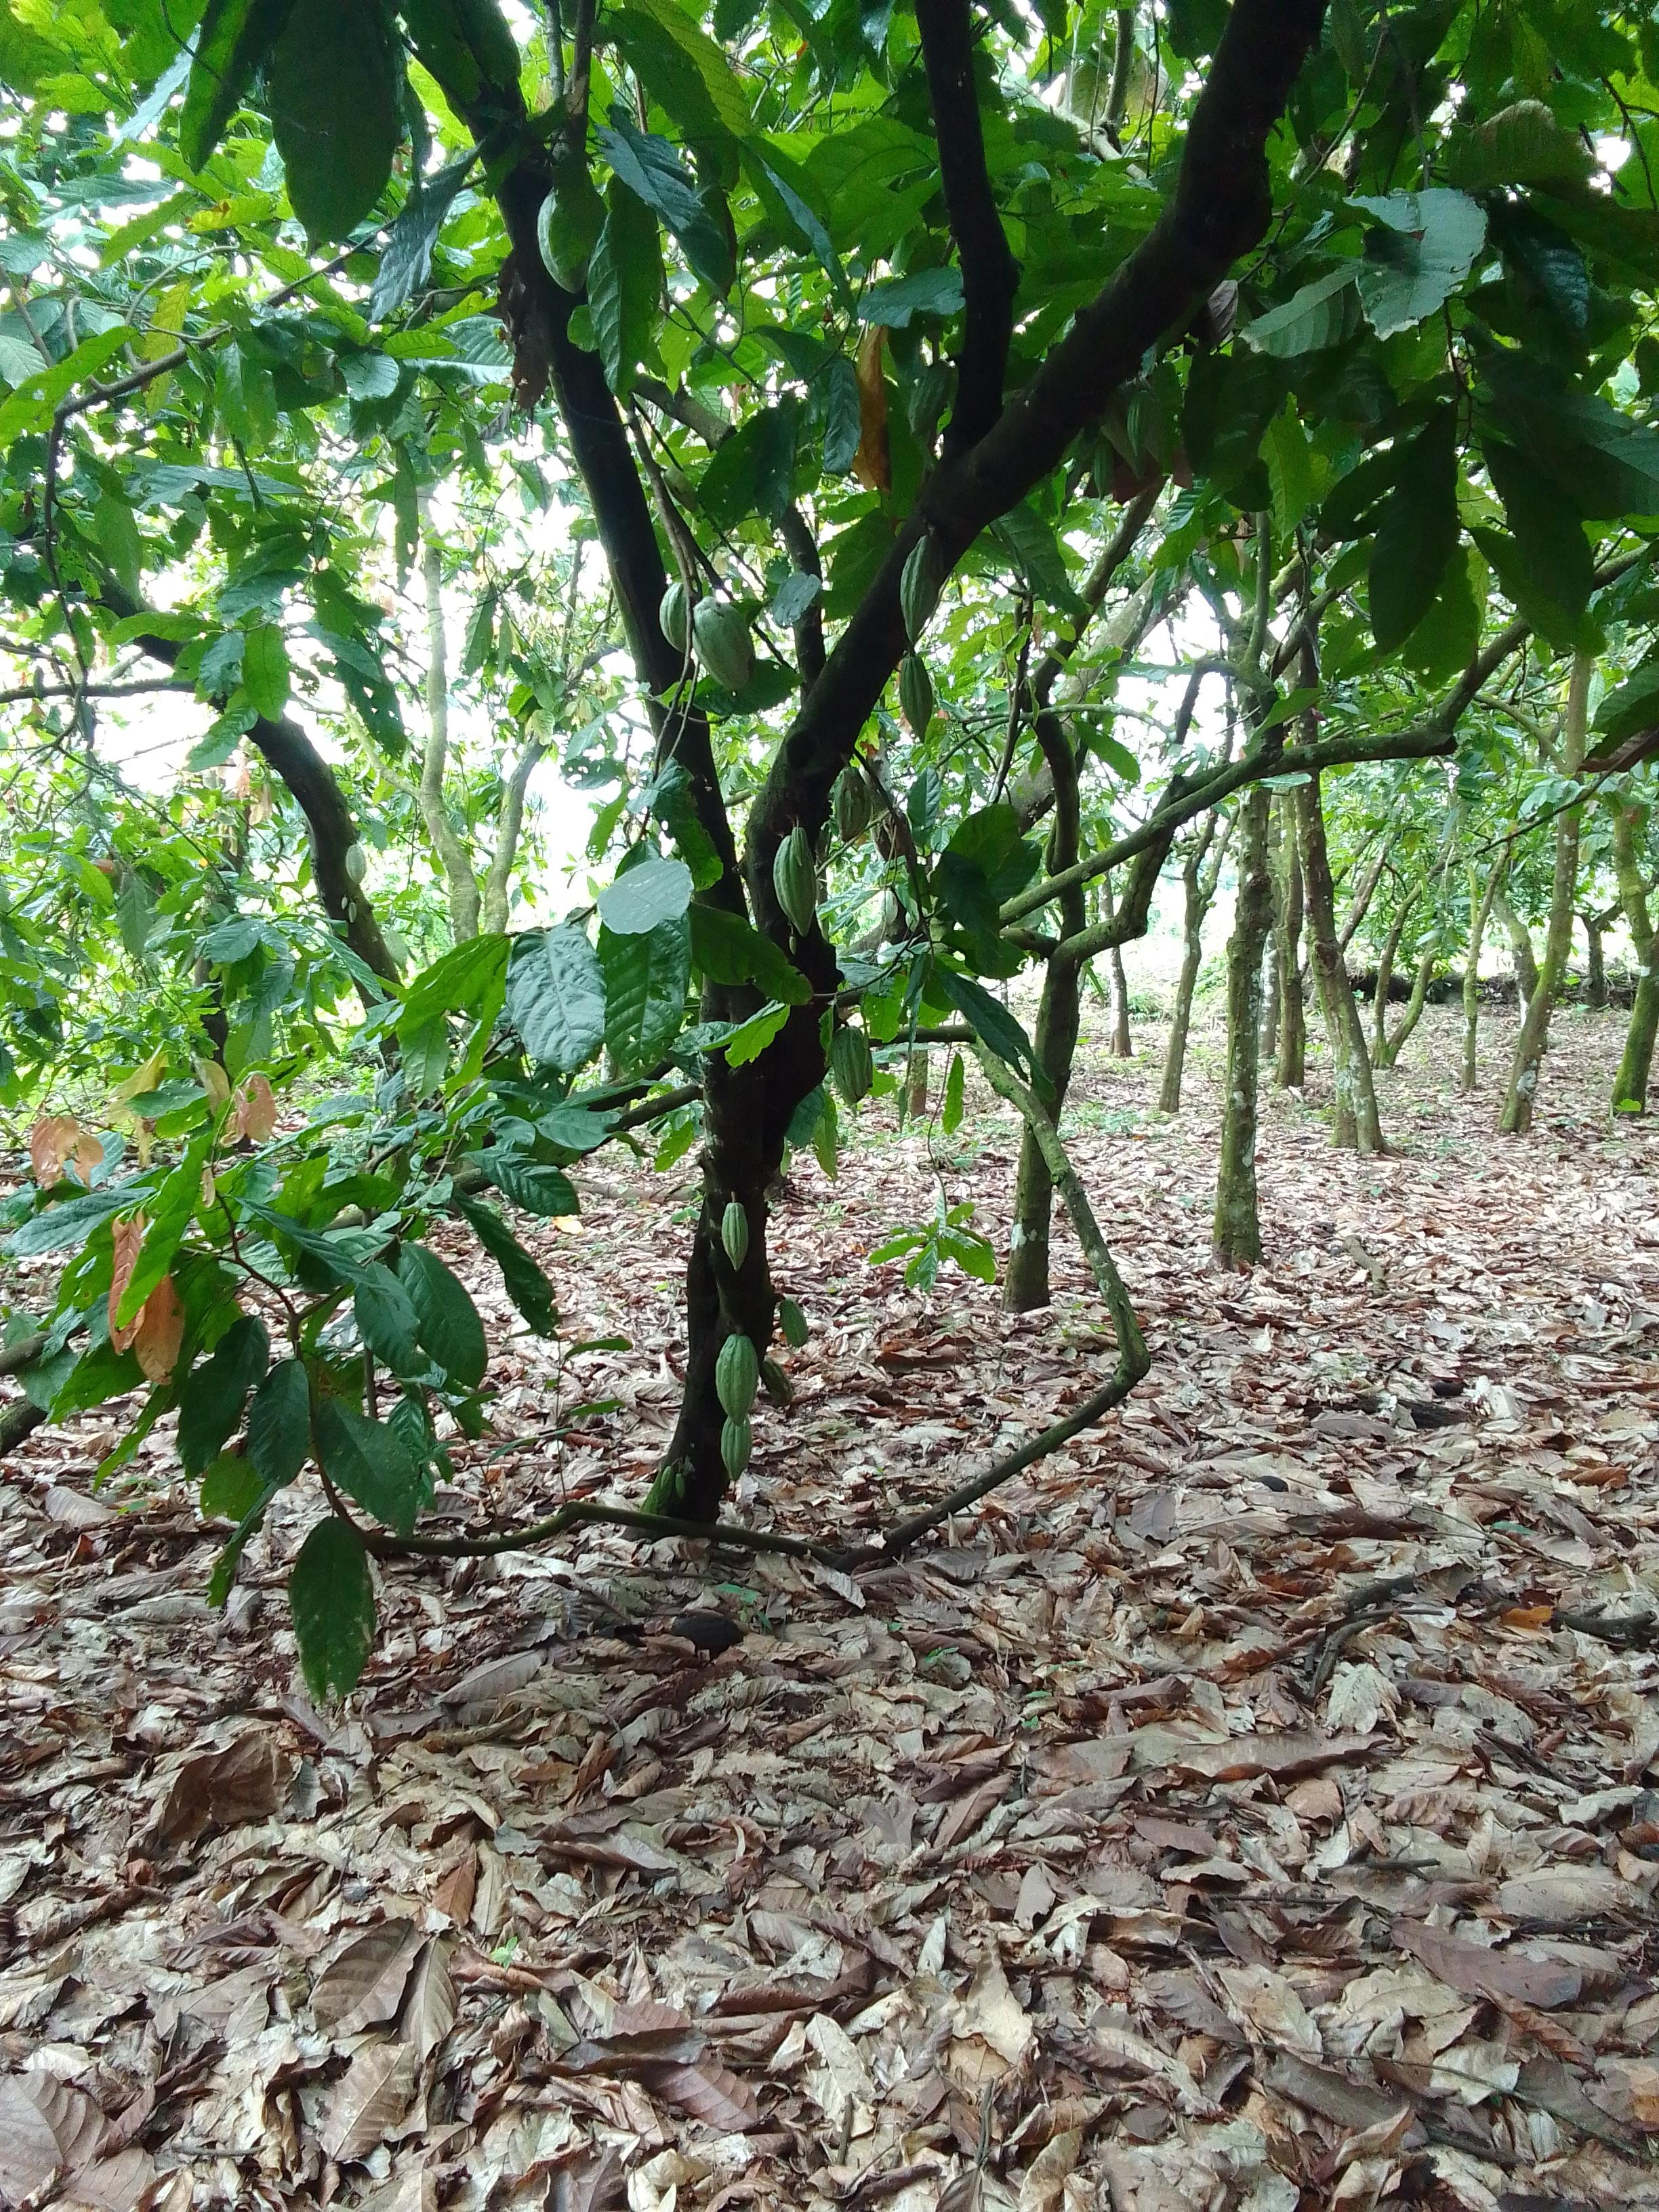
(1229, 1815)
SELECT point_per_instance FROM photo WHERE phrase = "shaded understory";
(1230, 1795)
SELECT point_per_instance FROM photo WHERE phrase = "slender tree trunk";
(916, 1084)
(1361, 904)
(1520, 937)
(1289, 1070)
(1480, 899)
(460, 884)
(1630, 1085)
(1025, 1286)
(1557, 944)
(1174, 1058)
(1357, 1126)
(1122, 1045)
(1385, 961)
(1394, 1044)
(1271, 987)
(1596, 973)
(1236, 1235)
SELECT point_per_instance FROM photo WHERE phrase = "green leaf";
(1031, 538)
(233, 39)
(406, 256)
(682, 69)
(651, 169)
(1416, 534)
(1321, 314)
(555, 997)
(750, 1038)
(534, 1185)
(368, 1462)
(655, 891)
(388, 1322)
(645, 985)
(950, 1120)
(1602, 463)
(449, 1327)
(991, 1022)
(210, 1405)
(330, 1596)
(752, 471)
(1289, 469)
(171, 1213)
(1555, 570)
(725, 949)
(526, 1285)
(1522, 144)
(335, 112)
(924, 292)
(279, 1423)
(230, 1489)
(1424, 246)
(624, 285)
(265, 670)
(470, 980)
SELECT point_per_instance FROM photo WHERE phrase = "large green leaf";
(1424, 246)
(333, 94)
(279, 1423)
(1551, 576)
(991, 1022)
(233, 39)
(640, 898)
(211, 1404)
(1321, 314)
(1602, 463)
(624, 285)
(651, 169)
(526, 1285)
(752, 472)
(1416, 533)
(645, 986)
(1522, 144)
(449, 1326)
(388, 1322)
(535, 1185)
(555, 997)
(368, 1461)
(727, 949)
(471, 980)
(330, 1596)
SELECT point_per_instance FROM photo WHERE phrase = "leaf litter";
(1253, 1807)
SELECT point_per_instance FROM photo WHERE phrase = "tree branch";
(990, 275)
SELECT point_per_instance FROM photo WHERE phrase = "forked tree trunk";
(1630, 1085)
(1385, 961)
(1356, 1128)
(1290, 1068)
(1235, 1234)
(1480, 908)
(1394, 1041)
(1025, 1285)
(1520, 937)
(1534, 1039)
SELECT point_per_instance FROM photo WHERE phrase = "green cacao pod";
(915, 694)
(723, 643)
(920, 585)
(734, 1231)
(779, 1388)
(852, 803)
(675, 615)
(736, 1440)
(736, 1376)
(850, 1063)
(792, 1322)
(355, 864)
(568, 226)
(795, 879)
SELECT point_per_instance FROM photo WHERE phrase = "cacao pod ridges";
(734, 1231)
(795, 879)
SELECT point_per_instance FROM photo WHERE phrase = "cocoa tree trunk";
(1200, 873)
(1290, 1067)
(1534, 1039)
(1236, 1233)
(1520, 937)
(1480, 901)
(1630, 1084)
(1357, 1126)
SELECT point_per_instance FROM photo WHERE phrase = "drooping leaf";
(1321, 314)
(335, 112)
(1416, 534)
(624, 285)
(1422, 247)
(406, 256)
(279, 1423)
(727, 949)
(368, 1460)
(526, 1285)
(651, 169)
(449, 1327)
(656, 891)
(212, 1405)
(330, 1596)
(537, 1186)
(234, 38)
